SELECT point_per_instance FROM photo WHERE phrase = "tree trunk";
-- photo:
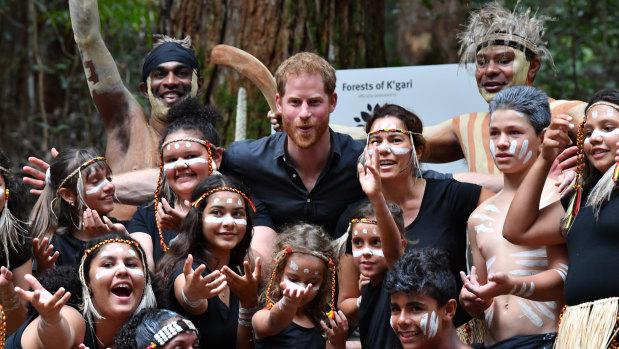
(349, 34)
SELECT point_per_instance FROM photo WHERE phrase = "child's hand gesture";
(338, 330)
(472, 303)
(43, 254)
(498, 284)
(245, 287)
(369, 178)
(291, 295)
(198, 287)
(556, 138)
(171, 218)
(94, 224)
(45, 303)
(363, 281)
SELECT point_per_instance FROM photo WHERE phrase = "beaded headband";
(6, 195)
(362, 220)
(575, 202)
(251, 204)
(170, 331)
(207, 145)
(512, 40)
(287, 251)
(81, 167)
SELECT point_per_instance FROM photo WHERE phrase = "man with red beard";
(170, 74)
(305, 173)
(506, 48)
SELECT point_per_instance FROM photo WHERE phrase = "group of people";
(296, 239)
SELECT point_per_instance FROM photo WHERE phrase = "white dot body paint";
(305, 271)
(433, 325)
(512, 147)
(423, 323)
(365, 231)
(316, 272)
(177, 146)
(356, 233)
(492, 149)
(188, 144)
(228, 201)
(98, 187)
(294, 266)
(132, 252)
(594, 114)
(370, 251)
(120, 249)
(610, 111)
(371, 151)
(523, 149)
(528, 157)
(168, 147)
(239, 202)
(374, 231)
(216, 200)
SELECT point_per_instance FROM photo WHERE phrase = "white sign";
(434, 92)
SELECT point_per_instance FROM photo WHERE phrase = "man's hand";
(276, 120)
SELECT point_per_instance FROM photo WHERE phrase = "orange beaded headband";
(207, 145)
(287, 251)
(362, 220)
(81, 167)
(251, 204)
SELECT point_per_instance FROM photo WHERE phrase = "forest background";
(44, 99)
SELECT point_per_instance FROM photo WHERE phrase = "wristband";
(192, 304)
(248, 310)
(359, 302)
(13, 303)
(245, 323)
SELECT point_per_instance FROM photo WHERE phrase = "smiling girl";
(587, 225)
(205, 274)
(115, 284)
(189, 152)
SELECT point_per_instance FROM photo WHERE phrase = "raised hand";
(171, 218)
(363, 281)
(337, 331)
(37, 173)
(292, 295)
(369, 177)
(44, 255)
(245, 287)
(198, 287)
(473, 304)
(45, 303)
(556, 137)
(94, 224)
(276, 120)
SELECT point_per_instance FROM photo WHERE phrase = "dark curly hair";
(424, 271)
(191, 115)
(138, 332)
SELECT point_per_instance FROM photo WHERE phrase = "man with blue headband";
(171, 73)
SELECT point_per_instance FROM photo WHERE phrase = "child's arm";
(390, 237)
(192, 289)
(338, 332)
(472, 303)
(525, 223)
(348, 289)
(544, 286)
(268, 323)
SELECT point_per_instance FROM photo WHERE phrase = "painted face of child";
(99, 191)
(367, 251)
(601, 136)
(302, 269)
(185, 163)
(224, 221)
(513, 142)
(116, 280)
(417, 321)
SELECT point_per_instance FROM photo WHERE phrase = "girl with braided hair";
(115, 284)
(587, 223)
(205, 274)
(15, 252)
(300, 294)
(189, 152)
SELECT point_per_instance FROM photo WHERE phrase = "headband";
(287, 251)
(77, 170)
(169, 52)
(512, 40)
(251, 204)
(608, 104)
(170, 331)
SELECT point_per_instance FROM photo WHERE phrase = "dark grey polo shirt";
(279, 191)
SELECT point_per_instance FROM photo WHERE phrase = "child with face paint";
(157, 328)
(206, 274)
(423, 291)
(517, 290)
(587, 223)
(300, 294)
(15, 251)
(73, 207)
(189, 152)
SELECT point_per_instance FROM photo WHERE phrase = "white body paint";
(539, 253)
(528, 157)
(177, 146)
(370, 251)
(433, 325)
(423, 323)
(365, 231)
(489, 263)
(216, 200)
(188, 162)
(482, 228)
(492, 208)
(512, 147)
(542, 307)
(374, 231)
(523, 149)
(489, 315)
(356, 233)
(533, 262)
(598, 133)
(228, 201)
(294, 266)
(525, 272)
(219, 220)
(483, 217)
(530, 314)
(98, 187)
(305, 271)
(492, 149)
(594, 114)
(112, 271)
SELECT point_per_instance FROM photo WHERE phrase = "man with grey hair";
(516, 289)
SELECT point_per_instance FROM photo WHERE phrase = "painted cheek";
(520, 69)
(492, 149)
(98, 187)
(173, 165)
(512, 147)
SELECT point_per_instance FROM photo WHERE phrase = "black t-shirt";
(593, 254)
(261, 164)
(374, 315)
(219, 324)
(293, 336)
(144, 221)
(19, 257)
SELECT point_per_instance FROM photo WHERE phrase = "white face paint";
(239, 202)
(365, 231)
(423, 323)
(370, 251)
(132, 252)
(374, 231)
(113, 270)
(602, 134)
(228, 201)
(168, 147)
(294, 266)
(394, 150)
(492, 149)
(219, 220)
(188, 144)
(98, 187)
(610, 111)
(356, 233)
(433, 325)
(512, 147)
(177, 146)
(293, 285)
(594, 114)
(528, 157)
(216, 200)
(187, 162)
(523, 149)
(383, 126)
(306, 271)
